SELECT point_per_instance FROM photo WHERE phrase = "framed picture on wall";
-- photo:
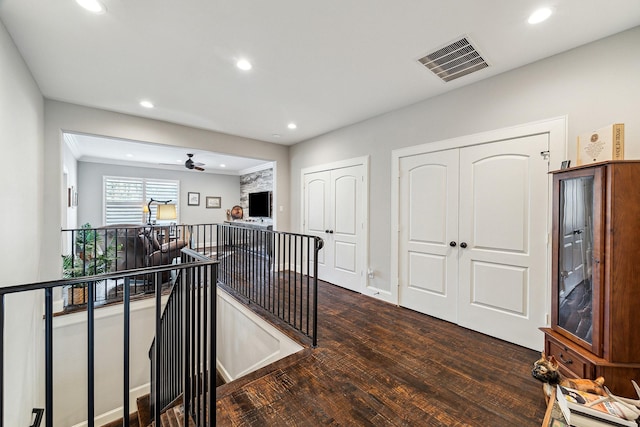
(213, 202)
(193, 199)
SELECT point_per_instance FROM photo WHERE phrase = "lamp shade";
(166, 212)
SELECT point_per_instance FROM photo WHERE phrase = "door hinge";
(545, 154)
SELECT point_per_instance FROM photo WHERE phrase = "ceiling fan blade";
(198, 168)
(199, 164)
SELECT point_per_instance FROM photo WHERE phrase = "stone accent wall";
(254, 182)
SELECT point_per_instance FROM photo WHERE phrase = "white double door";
(473, 233)
(334, 211)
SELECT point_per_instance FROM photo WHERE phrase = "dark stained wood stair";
(171, 417)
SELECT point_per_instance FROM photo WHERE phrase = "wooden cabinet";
(595, 317)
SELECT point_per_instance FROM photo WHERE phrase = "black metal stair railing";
(111, 248)
(201, 273)
(278, 271)
(183, 353)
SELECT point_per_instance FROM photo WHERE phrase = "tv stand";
(255, 224)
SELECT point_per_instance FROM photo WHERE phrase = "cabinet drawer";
(571, 363)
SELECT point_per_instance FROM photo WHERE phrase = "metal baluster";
(318, 245)
(2, 359)
(90, 356)
(127, 330)
(212, 269)
(187, 349)
(158, 346)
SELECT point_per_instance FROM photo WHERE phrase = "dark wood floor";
(381, 365)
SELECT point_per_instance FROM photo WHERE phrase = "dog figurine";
(546, 370)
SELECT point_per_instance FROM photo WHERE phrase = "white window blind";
(161, 190)
(124, 198)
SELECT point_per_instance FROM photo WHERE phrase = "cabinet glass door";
(575, 257)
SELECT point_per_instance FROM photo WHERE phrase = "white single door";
(317, 212)
(428, 264)
(345, 235)
(334, 212)
(503, 234)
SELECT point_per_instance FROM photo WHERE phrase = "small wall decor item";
(193, 199)
(237, 212)
(213, 202)
(602, 144)
(565, 164)
(74, 196)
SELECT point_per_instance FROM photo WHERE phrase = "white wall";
(21, 127)
(593, 85)
(90, 191)
(70, 169)
(70, 367)
(244, 341)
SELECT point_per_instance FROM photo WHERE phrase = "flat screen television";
(260, 204)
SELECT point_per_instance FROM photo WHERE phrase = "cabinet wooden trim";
(614, 351)
(617, 376)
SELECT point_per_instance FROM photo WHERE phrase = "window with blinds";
(125, 198)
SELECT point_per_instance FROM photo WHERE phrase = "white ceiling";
(89, 148)
(321, 64)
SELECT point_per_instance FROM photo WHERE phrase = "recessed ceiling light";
(243, 64)
(539, 15)
(292, 126)
(222, 165)
(276, 135)
(146, 104)
(129, 155)
(93, 6)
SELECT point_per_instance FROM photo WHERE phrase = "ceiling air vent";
(454, 60)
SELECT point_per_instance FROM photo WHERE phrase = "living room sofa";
(141, 246)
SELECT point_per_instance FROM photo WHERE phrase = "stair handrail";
(48, 287)
(276, 271)
(185, 364)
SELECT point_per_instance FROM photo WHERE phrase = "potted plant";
(90, 258)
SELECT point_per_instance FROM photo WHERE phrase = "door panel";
(428, 222)
(346, 187)
(503, 221)
(500, 287)
(500, 216)
(428, 185)
(427, 273)
(345, 257)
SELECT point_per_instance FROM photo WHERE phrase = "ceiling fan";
(190, 164)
